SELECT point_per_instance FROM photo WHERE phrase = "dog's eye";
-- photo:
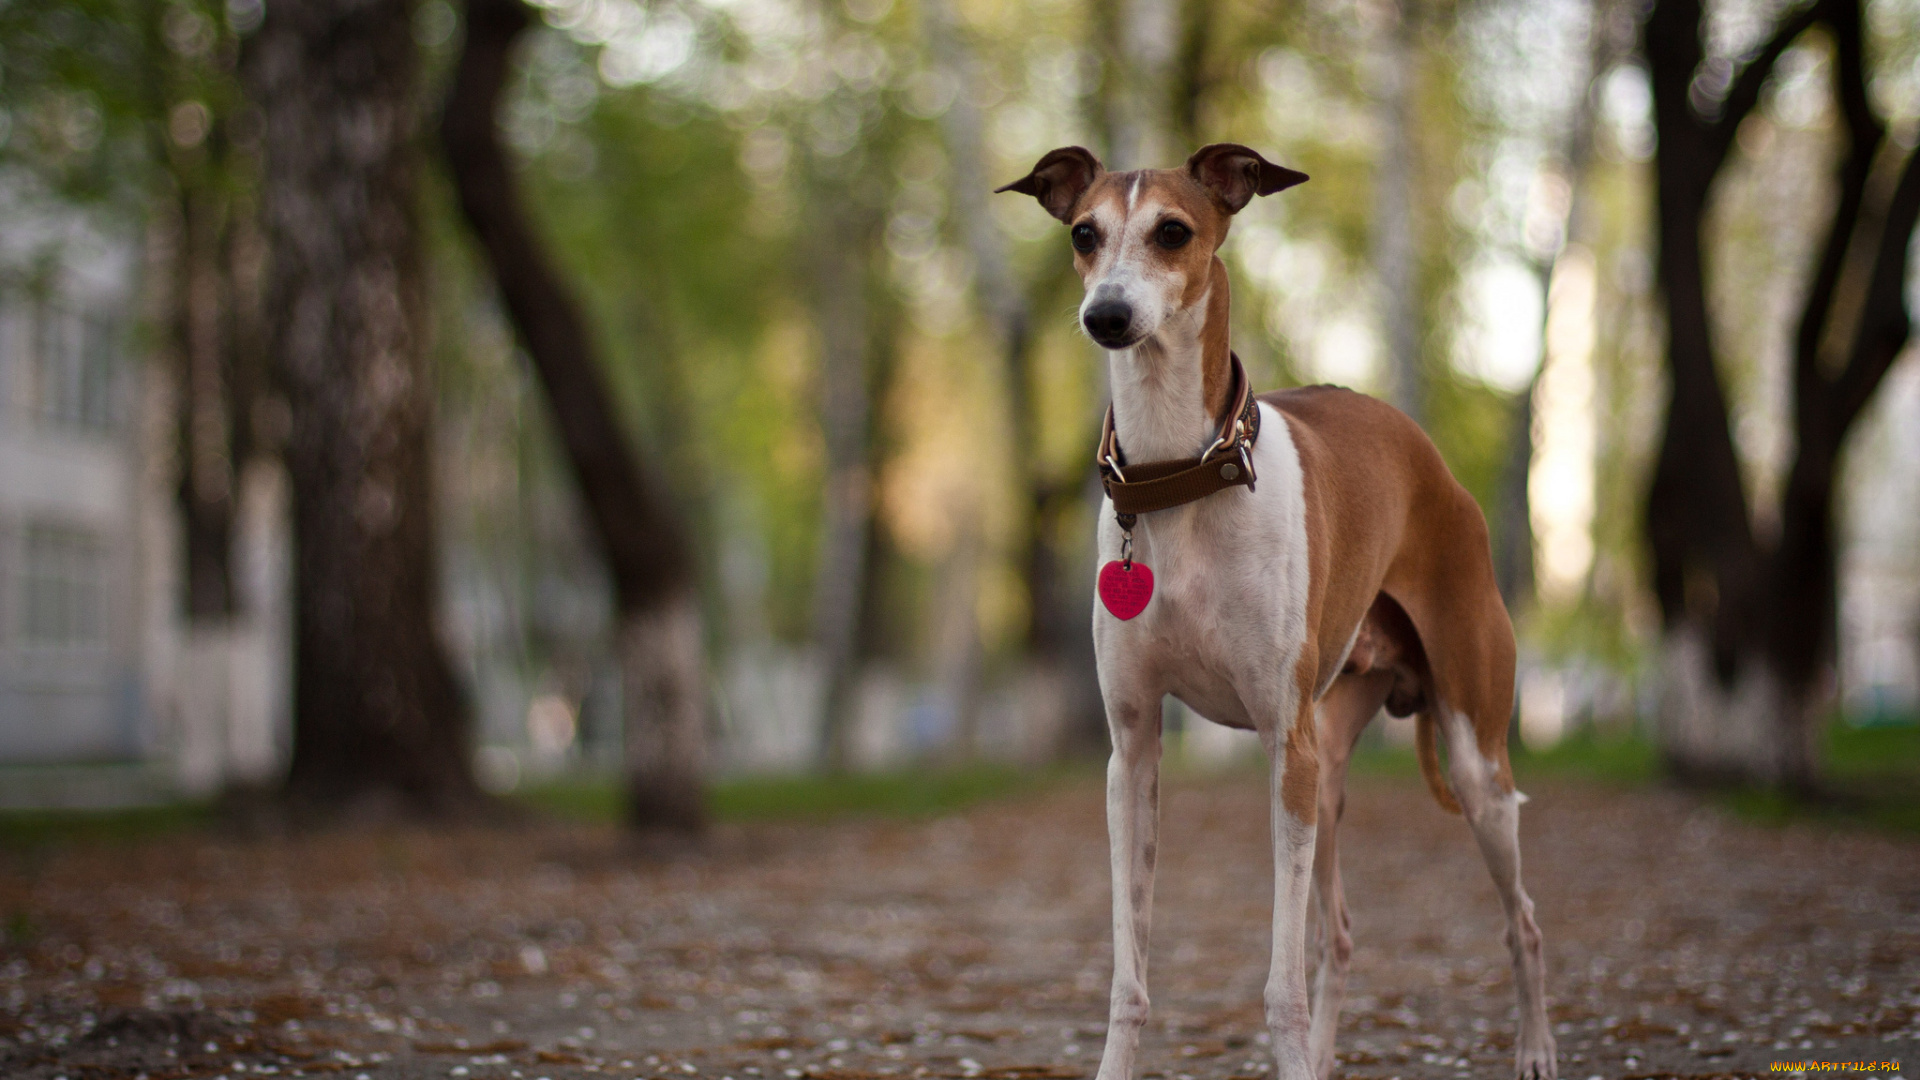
(1172, 234)
(1084, 238)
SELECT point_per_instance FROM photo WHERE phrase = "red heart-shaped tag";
(1125, 589)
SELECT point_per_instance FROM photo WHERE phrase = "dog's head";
(1144, 241)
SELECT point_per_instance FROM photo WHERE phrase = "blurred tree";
(219, 362)
(1194, 72)
(128, 106)
(661, 643)
(210, 440)
(1055, 642)
(1144, 96)
(675, 256)
(1396, 239)
(79, 98)
(846, 224)
(1750, 619)
(378, 716)
(838, 250)
(1513, 548)
(849, 146)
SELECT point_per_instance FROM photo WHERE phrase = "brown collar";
(1160, 485)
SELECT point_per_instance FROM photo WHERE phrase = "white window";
(73, 367)
(62, 588)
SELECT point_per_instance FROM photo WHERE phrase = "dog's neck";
(1170, 392)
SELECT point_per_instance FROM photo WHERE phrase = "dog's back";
(1386, 516)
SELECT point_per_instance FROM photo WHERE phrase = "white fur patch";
(1334, 671)
(1228, 619)
(1123, 269)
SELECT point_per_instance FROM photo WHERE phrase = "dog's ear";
(1059, 179)
(1234, 174)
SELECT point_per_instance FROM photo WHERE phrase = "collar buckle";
(1161, 485)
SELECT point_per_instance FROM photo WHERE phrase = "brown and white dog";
(1356, 574)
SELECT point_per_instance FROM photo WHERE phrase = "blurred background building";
(72, 679)
(106, 696)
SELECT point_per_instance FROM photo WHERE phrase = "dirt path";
(1681, 941)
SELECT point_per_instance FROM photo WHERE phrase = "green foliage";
(1873, 774)
(78, 94)
(1860, 753)
(655, 231)
(1613, 757)
(894, 795)
(1373, 757)
(659, 231)
(1609, 757)
(99, 98)
(1872, 779)
(1472, 424)
(20, 931)
(1894, 810)
(910, 794)
(1592, 628)
(26, 832)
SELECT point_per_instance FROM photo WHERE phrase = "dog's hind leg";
(1350, 704)
(1133, 815)
(1492, 807)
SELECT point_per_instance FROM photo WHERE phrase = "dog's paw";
(1291, 1061)
(1537, 1062)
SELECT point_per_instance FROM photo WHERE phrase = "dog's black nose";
(1107, 322)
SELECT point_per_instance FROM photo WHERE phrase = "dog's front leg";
(1133, 818)
(1291, 747)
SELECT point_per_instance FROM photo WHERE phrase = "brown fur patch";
(1109, 188)
(1216, 349)
(1430, 764)
(1339, 595)
(1391, 518)
(1300, 771)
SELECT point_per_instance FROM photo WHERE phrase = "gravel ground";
(1681, 941)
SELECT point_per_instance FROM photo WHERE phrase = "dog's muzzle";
(1109, 322)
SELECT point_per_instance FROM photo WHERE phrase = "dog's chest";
(1228, 614)
(1222, 582)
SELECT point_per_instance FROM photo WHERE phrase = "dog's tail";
(1430, 763)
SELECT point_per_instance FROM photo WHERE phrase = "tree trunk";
(1751, 626)
(661, 646)
(1757, 728)
(206, 422)
(1514, 550)
(1060, 691)
(840, 582)
(1149, 40)
(663, 663)
(380, 722)
(1193, 76)
(214, 375)
(1395, 246)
